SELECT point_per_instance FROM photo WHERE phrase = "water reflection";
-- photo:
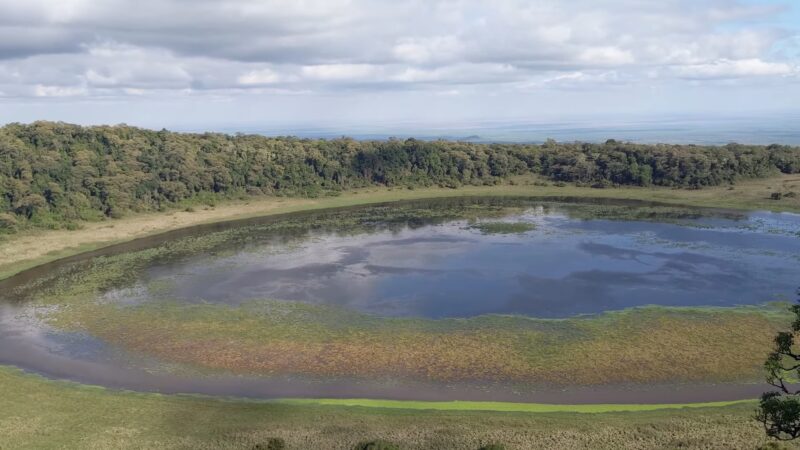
(566, 266)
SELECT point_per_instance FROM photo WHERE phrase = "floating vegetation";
(269, 337)
(649, 213)
(504, 227)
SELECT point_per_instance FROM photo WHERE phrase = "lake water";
(563, 267)
(432, 259)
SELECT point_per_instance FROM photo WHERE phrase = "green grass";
(40, 414)
(537, 408)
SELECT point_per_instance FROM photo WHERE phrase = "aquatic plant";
(503, 227)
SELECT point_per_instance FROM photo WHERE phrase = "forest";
(54, 175)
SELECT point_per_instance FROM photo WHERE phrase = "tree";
(779, 411)
(52, 174)
(28, 205)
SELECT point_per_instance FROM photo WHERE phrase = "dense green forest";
(54, 174)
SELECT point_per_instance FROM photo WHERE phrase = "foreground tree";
(779, 411)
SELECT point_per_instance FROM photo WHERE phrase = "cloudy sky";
(215, 63)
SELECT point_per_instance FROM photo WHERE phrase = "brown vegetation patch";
(651, 345)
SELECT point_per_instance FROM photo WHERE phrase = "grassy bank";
(24, 250)
(41, 414)
(505, 406)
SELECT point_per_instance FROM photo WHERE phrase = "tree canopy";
(54, 174)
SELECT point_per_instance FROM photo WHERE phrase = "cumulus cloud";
(606, 56)
(121, 47)
(259, 77)
(133, 67)
(462, 73)
(326, 72)
(58, 91)
(726, 68)
(428, 50)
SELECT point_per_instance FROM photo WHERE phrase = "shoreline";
(28, 249)
(232, 393)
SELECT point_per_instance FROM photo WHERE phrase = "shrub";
(772, 446)
(493, 447)
(8, 224)
(271, 444)
(376, 445)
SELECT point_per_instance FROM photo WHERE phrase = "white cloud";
(605, 56)
(339, 72)
(459, 74)
(555, 34)
(734, 69)
(58, 91)
(121, 47)
(259, 77)
(113, 65)
(426, 50)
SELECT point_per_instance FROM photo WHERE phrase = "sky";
(239, 64)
